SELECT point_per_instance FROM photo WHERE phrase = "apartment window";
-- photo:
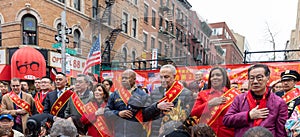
(159, 47)
(135, 2)
(160, 21)
(171, 52)
(145, 40)
(124, 52)
(146, 13)
(167, 3)
(76, 38)
(63, 1)
(178, 13)
(29, 30)
(95, 8)
(76, 4)
(153, 18)
(161, 3)
(152, 43)
(173, 9)
(125, 23)
(133, 56)
(134, 25)
(166, 49)
(176, 52)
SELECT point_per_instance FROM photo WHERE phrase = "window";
(95, 8)
(125, 22)
(135, 2)
(58, 27)
(159, 47)
(134, 24)
(173, 9)
(176, 53)
(171, 52)
(77, 4)
(133, 56)
(178, 13)
(76, 38)
(160, 21)
(161, 3)
(63, 1)
(153, 18)
(29, 26)
(146, 13)
(145, 41)
(124, 54)
(166, 49)
(152, 43)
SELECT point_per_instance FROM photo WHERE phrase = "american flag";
(94, 57)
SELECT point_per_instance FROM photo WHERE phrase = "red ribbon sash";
(125, 96)
(38, 102)
(19, 102)
(79, 105)
(173, 92)
(217, 110)
(291, 95)
(60, 102)
(100, 124)
(253, 103)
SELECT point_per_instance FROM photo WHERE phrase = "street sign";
(67, 31)
(58, 38)
(56, 45)
(68, 50)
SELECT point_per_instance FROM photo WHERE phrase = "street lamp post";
(63, 43)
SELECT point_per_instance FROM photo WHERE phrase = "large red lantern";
(28, 63)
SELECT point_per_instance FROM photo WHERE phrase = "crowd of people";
(216, 107)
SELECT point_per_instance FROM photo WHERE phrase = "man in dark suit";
(55, 101)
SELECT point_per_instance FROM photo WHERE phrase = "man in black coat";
(51, 105)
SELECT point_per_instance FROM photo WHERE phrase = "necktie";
(59, 93)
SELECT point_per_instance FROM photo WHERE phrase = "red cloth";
(253, 103)
(202, 111)
(91, 118)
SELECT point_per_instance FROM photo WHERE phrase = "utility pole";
(63, 43)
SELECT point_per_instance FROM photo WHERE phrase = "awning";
(5, 72)
(28, 63)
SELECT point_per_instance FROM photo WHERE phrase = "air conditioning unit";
(78, 51)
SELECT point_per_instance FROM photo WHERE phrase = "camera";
(35, 122)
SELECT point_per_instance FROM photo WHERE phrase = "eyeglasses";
(34, 66)
(15, 85)
(258, 78)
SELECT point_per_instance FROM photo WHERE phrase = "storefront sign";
(75, 63)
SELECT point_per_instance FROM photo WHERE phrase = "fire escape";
(111, 38)
(167, 31)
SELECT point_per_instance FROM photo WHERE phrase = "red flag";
(94, 57)
(53, 74)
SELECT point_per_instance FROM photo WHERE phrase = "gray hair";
(258, 132)
(63, 127)
(87, 78)
(173, 69)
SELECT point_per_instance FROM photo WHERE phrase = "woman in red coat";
(93, 116)
(212, 104)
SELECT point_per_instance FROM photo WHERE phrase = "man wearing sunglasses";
(19, 104)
